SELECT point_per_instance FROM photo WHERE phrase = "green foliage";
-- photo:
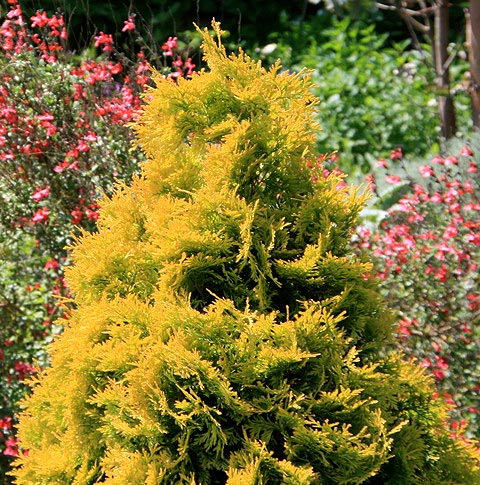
(26, 316)
(373, 96)
(225, 333)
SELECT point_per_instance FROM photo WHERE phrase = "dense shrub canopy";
(224, 331)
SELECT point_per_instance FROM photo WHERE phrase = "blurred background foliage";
(376, 90)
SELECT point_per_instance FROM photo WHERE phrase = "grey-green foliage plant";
(224, 330)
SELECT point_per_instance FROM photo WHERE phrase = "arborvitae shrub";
(224, 331)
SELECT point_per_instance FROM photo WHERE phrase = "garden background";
(396, 89)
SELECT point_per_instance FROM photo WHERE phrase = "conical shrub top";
(224, 332)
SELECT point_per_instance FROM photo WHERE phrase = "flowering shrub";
(64, 139)
(224, 331)
(427, 254)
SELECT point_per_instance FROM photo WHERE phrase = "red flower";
(466, 152)
(474, 238)
(105, 40)
(91, 214)
(23, 369)
(439, 374)
(52, 264)
(6, 423)
(41, 215)
(41, 194)
(77, 216)
(39, 20)
(128, 24)
(395, 154)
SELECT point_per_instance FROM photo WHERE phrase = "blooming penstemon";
(63, 139)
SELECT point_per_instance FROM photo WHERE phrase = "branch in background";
(472, 16)
(408, 15)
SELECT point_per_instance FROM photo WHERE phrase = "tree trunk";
(445, 101)
(473, 45)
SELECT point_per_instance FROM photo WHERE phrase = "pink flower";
(451, 160)
(442, 363)
(41, 215)
(437, 159)
(382, 163)
(82, 146)
(41, 194)
(91, 136)
(56, 21)
(455, 207)
(169, 45)
(450, 231)
(436, 347)
(190, 66)
(15, 12)
(466, 152)
(128, 24)
(468, 187)
(45, 117)
(426, 171)
(425, 363)
(61, 166)
(370, 179)
(474, 238)
(393, 179)
(397, 153)
(11, 447)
